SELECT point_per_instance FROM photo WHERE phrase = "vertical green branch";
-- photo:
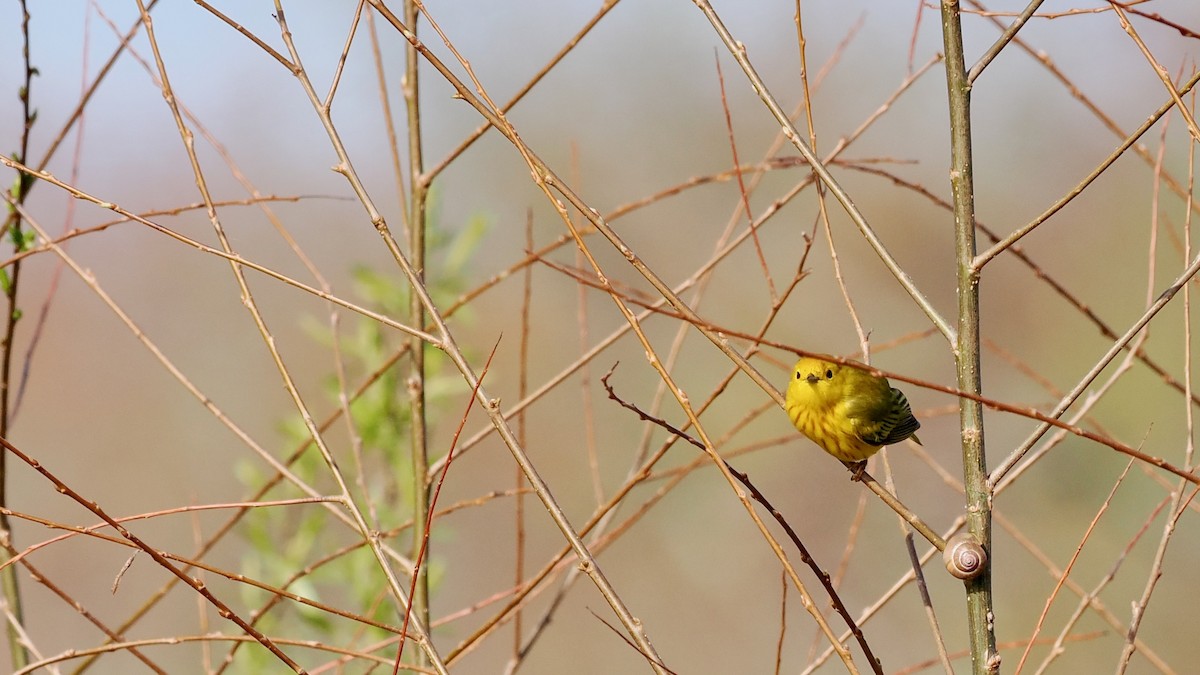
(8, 280)
(416, 317)
(984, 657)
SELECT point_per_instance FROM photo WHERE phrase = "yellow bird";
(849, 412)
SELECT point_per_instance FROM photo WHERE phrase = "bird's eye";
(799, 376)
(829, 374)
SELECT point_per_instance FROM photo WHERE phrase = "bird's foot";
(857, 474)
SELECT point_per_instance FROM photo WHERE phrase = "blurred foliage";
(284, 541)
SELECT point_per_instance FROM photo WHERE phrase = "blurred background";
(634, 120)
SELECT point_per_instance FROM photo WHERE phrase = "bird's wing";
(890, 423)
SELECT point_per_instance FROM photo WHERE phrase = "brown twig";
(759, 497)
(420, 557)
(89, 616)
(1070, 565)
(154, 554)
(1156, 17)
(741, 183)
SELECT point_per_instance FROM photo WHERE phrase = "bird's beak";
(812, 379)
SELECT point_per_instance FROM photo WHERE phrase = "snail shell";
(964, 556)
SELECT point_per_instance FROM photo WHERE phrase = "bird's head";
(813, 380)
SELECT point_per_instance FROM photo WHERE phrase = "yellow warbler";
(848, 412)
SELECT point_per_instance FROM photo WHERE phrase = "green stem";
(980, 623)
(416, 375)
(8, 576)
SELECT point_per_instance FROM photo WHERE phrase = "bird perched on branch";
(849, 412)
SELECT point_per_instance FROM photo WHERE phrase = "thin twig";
(1163, 299)
(1041, 274)
(783, 584)
(545, 176)
(14, 231)
(822, 209)
(1161, 72)
(158, 557)
(741, 183)
(1179, 503)
(393, 583)
(519, 543)
(40, 577)
(984, 258)
(1091, 599)
(562, 53)
(419, 559)
(758, 496)
(1070, 565)
(738, 50)
(1002, 41)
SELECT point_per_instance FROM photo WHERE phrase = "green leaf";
(465, 244)
(23, 240)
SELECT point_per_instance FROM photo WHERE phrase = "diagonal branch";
(154, 554)
(552, 181)
(789, 129)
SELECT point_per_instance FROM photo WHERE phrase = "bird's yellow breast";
(829, 428)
